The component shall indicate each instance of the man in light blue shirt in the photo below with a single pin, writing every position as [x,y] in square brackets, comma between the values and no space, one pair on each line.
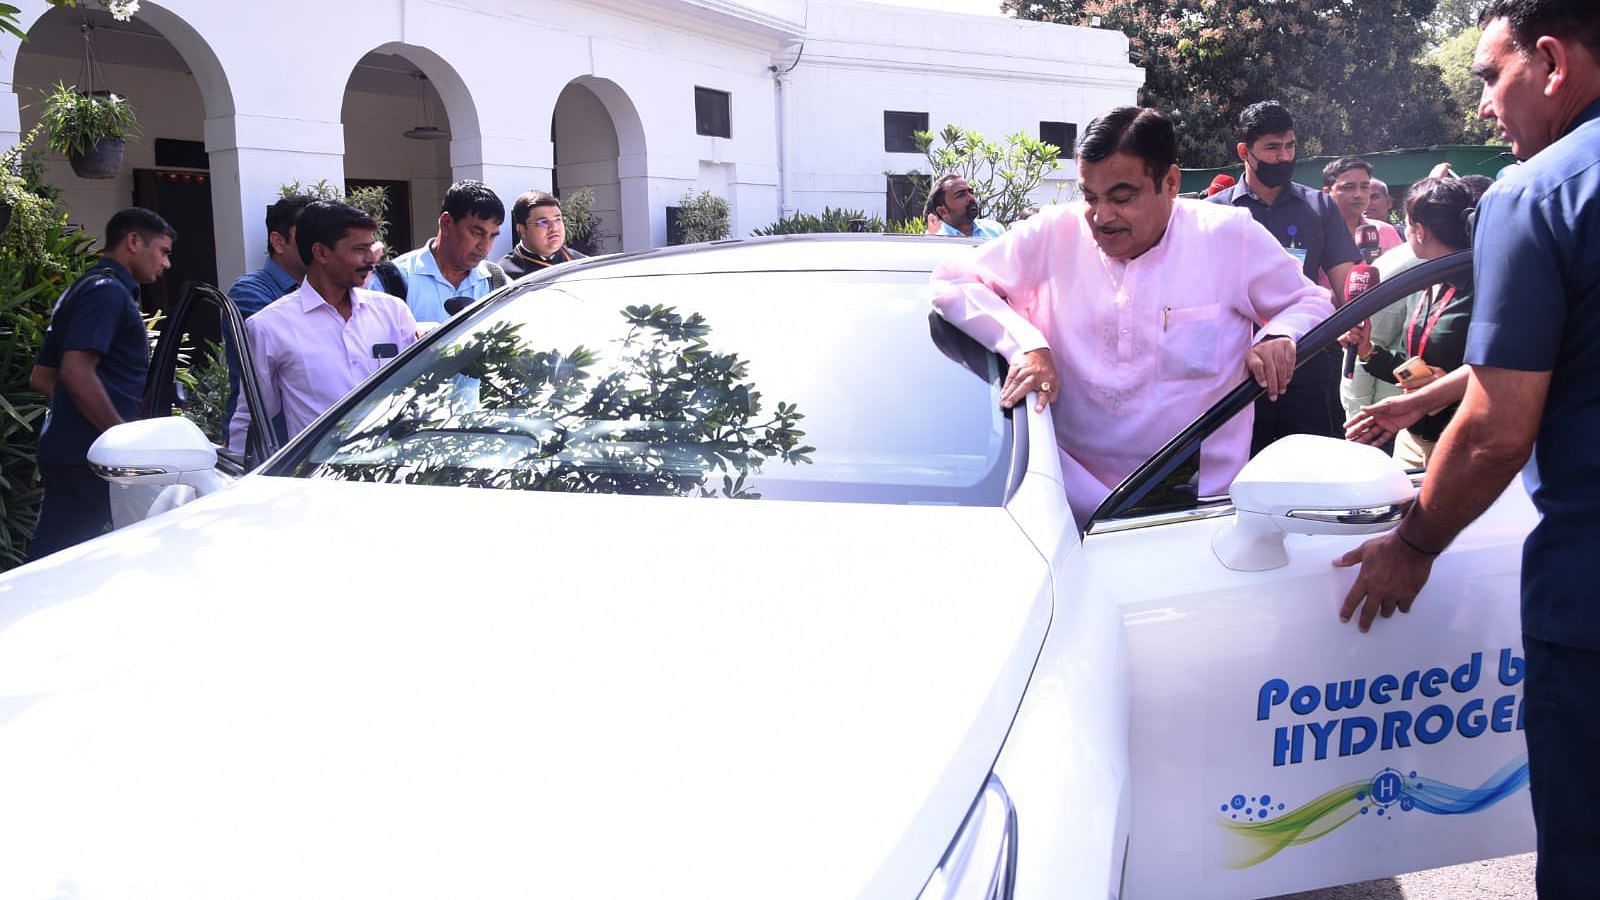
[952,211]
[453,263]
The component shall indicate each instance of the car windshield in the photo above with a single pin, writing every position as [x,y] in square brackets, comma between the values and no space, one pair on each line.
[834,386]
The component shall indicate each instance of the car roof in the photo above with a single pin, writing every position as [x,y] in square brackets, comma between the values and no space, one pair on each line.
[785,253]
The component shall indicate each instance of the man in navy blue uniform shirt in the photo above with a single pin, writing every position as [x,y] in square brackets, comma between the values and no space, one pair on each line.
[1309,227]
[98,345]
[1534,352]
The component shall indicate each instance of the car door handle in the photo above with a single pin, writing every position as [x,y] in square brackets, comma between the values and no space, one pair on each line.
[1370,515]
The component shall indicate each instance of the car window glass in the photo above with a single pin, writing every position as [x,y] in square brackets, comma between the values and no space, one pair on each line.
[1176,489]
[815,386]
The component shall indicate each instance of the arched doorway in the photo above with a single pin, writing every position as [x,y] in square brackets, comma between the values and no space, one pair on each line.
[599,145]
[169,74]
[408,126]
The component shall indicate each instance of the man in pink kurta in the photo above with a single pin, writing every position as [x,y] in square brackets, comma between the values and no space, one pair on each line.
[1133,312]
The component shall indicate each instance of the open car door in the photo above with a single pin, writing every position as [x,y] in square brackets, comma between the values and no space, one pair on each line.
[200,342]
[1274,748]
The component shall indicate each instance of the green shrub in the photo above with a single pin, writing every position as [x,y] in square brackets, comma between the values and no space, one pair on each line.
[831,221]
[583,226]
[703,216]
[37,262]
[373,200]
[908,226]
[203,372]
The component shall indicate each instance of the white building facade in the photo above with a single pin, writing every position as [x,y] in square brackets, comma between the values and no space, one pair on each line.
[777,105]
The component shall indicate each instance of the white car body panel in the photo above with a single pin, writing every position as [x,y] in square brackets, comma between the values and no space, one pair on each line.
[803,724]
[353,690]
[1203,642]
[1066,762]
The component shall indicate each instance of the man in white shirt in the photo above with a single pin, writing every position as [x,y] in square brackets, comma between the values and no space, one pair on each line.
[311,346]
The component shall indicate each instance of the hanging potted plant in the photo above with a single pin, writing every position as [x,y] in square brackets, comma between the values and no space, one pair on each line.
[91,129]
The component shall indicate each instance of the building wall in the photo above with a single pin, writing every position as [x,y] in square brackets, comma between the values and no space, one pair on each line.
[817,141]
[997,76]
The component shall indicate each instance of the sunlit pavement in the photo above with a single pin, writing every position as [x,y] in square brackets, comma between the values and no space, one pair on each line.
[1507,878]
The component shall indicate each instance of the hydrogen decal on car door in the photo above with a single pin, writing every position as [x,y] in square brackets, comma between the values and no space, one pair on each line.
[1387,794]
[1313,722]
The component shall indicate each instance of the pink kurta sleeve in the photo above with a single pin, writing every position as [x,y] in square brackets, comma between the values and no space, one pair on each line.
[1276,294]
[972,288]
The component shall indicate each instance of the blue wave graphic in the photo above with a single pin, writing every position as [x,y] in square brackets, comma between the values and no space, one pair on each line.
[1265,832]
[1440,798]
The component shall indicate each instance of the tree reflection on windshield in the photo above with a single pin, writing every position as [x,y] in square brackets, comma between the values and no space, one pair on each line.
[658,413]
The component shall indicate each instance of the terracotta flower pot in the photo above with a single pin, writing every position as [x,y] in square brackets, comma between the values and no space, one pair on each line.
[104,161]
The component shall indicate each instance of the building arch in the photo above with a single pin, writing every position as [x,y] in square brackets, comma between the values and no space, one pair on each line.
[177,85]
[390,94]
[599,143]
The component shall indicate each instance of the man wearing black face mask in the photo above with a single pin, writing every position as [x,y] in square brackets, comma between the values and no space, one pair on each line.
[1309,226]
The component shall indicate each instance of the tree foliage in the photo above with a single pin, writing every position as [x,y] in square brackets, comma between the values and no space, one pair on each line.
[1001,175]
[1451,17]
[1454,59]
[661,413]
[1353,72]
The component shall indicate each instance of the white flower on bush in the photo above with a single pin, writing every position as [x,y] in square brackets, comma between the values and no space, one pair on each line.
[122,10]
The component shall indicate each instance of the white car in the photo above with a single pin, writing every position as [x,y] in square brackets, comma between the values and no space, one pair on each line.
[756,592]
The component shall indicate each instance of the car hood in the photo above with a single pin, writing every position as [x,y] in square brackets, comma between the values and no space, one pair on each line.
[297,688]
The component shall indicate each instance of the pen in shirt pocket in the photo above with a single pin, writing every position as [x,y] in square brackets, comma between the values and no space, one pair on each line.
[1166,314]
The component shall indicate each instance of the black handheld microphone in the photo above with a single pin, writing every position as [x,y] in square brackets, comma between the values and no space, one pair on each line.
[457,304]
[1367,242]
[1362,277]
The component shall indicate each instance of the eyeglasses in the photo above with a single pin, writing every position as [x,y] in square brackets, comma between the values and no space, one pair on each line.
[546,223]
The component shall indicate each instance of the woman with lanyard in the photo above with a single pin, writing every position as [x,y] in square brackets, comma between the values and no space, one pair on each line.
[1435,334]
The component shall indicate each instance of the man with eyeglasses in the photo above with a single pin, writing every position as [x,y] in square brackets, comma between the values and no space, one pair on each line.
[541,235]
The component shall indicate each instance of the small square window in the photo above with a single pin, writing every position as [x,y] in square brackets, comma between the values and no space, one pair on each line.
[900,128]
[712,114]
[1063,134]
[903,198]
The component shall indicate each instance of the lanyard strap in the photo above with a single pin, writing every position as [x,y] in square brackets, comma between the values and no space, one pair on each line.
[1421,344]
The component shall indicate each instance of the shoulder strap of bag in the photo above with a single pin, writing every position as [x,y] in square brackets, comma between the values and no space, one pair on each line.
[394,284]
[497,276]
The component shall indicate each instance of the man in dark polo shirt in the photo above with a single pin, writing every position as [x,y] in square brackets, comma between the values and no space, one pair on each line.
[99,338]
[1309,226]
[1534,386]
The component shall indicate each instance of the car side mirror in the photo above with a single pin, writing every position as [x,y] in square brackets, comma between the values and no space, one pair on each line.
[1305,484]
[165,450]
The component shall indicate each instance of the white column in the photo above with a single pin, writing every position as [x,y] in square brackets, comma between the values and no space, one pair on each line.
[509,166]
[10,119]
[252,157]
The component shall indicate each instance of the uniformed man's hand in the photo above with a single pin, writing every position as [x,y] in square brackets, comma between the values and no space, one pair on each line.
[1036,371]
[1271,363]
[1391,576]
